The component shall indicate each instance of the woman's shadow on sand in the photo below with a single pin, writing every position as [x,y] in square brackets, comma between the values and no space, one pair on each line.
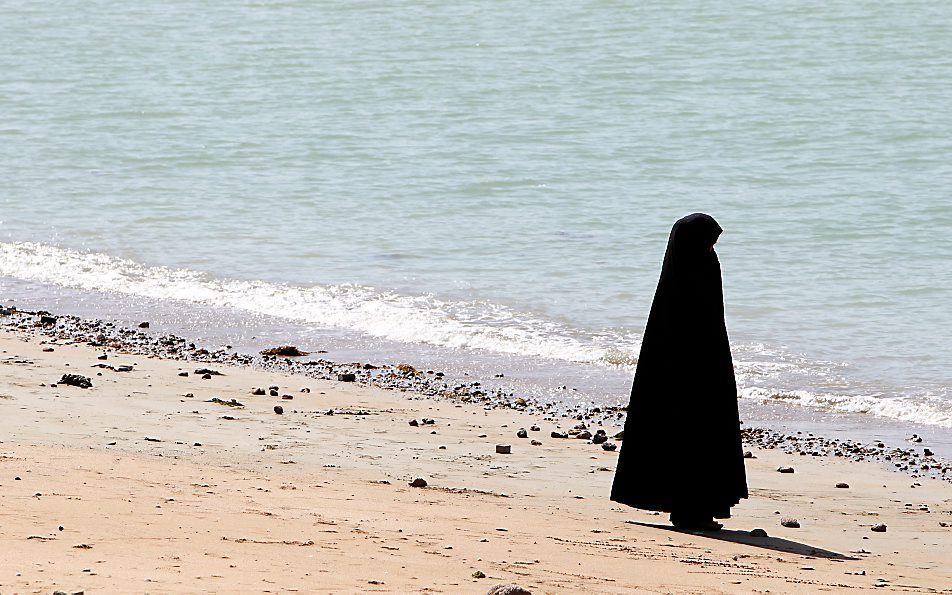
[771,543]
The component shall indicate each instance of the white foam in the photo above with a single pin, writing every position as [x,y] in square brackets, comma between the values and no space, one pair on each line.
[921,409]
[383,314]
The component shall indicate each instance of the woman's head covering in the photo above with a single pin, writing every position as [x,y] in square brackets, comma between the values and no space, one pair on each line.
[691,236]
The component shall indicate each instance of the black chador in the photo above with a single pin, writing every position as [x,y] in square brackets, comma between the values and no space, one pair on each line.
[682,451]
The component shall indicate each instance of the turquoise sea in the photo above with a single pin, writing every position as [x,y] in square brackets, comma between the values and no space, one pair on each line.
[488,186]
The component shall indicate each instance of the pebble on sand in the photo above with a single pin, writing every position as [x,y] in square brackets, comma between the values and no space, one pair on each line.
[843,485]
[278,409]
[503,449]
[419,482]
[880,528]
[785,469]
[479,574]
[347,377]
[790,523]
[522,433]
[758,533]
[76,380]
[609,446]
[508,589]
[285,351]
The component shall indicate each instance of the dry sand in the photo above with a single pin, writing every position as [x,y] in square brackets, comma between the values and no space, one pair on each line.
[306,501]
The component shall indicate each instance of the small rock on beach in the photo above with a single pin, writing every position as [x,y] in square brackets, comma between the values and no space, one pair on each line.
[76,380]
[508,589]
[285,351]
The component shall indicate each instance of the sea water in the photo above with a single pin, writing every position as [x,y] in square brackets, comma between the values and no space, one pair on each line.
[489,186]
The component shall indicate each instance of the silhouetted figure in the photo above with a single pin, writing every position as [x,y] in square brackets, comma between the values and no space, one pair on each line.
[682,450]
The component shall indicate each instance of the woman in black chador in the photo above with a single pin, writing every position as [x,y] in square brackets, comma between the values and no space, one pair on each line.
[682,452]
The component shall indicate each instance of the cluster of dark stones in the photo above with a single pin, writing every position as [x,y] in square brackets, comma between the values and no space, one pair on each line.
[909,460]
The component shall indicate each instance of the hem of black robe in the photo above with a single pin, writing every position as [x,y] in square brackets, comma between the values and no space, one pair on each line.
[717,511]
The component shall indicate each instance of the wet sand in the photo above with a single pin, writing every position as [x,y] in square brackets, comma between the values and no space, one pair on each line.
[159,488]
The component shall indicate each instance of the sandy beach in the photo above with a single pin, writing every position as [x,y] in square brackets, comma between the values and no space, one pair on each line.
[144,482]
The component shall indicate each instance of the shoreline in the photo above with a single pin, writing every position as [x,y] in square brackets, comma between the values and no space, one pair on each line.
[221,495]
[913,458]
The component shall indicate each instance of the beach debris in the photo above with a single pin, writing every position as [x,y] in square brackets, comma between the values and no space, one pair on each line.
[76,380]
[122,368]
[479,574]
[83,546]
[419,482]
[278,409]
[408,369]
[285,351]
[537,443]
[785,469]
[555,434]
[207,372]
[843,485]
[508,589]
[789,523]
[522,433]
[880,528]
[758,533]
[143,325]
[503,449]
[609,446]
[257,391]
[231,403]
[347,377]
